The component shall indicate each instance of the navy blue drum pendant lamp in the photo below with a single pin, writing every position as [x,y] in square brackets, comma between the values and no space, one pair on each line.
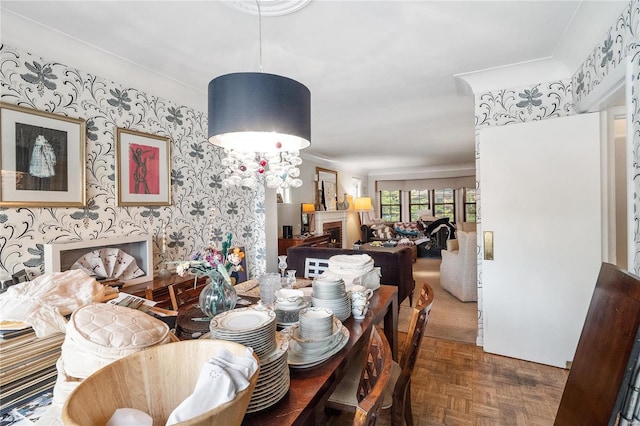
[259,112]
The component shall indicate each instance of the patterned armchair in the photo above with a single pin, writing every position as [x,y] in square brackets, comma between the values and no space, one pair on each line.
[459,267]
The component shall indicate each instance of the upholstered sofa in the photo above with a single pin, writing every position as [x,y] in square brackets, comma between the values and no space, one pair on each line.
[438,230]
[396,267]
[390,231]
[459,267]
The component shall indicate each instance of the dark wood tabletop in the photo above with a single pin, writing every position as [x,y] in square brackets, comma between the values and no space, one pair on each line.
[310,388]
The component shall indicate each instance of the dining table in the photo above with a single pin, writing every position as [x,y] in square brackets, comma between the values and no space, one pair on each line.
[310,388]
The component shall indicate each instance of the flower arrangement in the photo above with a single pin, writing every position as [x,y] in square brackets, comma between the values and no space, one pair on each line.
[210,260]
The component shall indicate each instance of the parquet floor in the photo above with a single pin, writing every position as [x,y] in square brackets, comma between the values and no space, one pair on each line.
[459,384]
[456,383]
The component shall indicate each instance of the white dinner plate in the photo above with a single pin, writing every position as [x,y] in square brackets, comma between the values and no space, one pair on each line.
[297,361]
[243,319]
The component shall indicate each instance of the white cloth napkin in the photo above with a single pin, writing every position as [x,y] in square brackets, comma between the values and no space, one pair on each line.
[220,379]
[129,417]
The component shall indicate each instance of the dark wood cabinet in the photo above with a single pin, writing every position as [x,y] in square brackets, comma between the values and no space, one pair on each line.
[312,241]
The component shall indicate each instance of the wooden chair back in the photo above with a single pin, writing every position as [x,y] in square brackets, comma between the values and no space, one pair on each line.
[401,408]
[375,376]
[159,295]
[600,388]
[314,267]
[186,292]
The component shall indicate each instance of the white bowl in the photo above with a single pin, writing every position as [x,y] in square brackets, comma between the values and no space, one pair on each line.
[308,344]
[288,298]
[316,321]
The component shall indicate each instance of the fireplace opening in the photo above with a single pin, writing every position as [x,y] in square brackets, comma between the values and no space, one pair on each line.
[334,229]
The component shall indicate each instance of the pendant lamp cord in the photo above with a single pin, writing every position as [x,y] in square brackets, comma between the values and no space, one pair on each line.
[260,31]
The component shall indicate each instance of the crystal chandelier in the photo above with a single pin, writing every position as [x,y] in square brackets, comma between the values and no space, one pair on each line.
[244,168]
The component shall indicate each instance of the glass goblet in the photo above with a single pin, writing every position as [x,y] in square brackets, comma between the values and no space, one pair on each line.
[291,278]
[282,264]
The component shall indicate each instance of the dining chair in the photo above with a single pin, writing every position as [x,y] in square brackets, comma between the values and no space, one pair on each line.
[398,392]
[374,367]
[314,267]
[186,292]
[159,295]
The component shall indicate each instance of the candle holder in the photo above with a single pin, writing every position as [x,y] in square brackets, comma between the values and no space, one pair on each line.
[164,271]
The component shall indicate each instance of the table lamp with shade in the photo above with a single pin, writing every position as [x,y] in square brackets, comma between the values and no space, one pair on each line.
[363,204]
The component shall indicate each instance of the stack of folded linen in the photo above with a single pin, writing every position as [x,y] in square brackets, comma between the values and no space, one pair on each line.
[354,269]
[98,334]
[43,302]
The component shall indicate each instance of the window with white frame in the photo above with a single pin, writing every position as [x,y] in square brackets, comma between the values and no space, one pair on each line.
[469,205]
[444,203]
[390,206]
[419,202]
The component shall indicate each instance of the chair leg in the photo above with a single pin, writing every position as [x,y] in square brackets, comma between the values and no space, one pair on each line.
[408,415]
[398,407]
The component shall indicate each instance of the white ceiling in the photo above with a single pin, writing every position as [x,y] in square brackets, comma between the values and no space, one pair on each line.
[381,73]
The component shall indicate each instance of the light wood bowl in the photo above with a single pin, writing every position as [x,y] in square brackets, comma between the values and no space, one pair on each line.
[155,380]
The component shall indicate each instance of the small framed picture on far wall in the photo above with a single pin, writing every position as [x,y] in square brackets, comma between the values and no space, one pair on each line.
[143,170]
[42,158]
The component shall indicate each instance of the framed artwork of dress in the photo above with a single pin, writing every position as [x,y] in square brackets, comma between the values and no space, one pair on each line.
[42,157]
[143,170]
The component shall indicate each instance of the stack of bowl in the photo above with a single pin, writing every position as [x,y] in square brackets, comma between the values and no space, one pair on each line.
[330,292]
[315,338]
[289,303]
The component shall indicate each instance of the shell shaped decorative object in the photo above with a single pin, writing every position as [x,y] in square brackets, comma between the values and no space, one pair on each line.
[109,262]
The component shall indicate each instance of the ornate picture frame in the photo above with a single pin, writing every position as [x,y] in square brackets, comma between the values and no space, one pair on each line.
[143,169]
[42,158]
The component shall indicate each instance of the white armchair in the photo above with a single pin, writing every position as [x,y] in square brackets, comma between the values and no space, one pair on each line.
[459,267]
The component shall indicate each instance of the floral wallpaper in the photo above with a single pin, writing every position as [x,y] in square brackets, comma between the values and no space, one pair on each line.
[607,55]
[633,112]
[523,104]
[196,173]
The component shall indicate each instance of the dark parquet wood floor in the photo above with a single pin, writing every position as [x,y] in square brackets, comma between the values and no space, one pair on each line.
[459,384]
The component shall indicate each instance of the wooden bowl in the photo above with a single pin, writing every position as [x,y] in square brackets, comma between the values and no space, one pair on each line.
[155,380]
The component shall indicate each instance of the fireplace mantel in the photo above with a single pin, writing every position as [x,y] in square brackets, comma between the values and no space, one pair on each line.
[322,217]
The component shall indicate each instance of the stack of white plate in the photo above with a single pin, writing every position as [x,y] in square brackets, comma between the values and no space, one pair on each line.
[309,352]
[273,380]
[255,326]
[330,292]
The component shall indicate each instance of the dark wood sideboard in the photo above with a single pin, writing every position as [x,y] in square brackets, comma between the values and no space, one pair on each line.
[311,241]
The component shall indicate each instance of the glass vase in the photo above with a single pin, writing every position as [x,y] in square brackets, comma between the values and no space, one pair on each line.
[217,296]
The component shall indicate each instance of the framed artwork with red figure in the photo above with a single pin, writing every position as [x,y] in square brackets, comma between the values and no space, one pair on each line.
[143,169]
